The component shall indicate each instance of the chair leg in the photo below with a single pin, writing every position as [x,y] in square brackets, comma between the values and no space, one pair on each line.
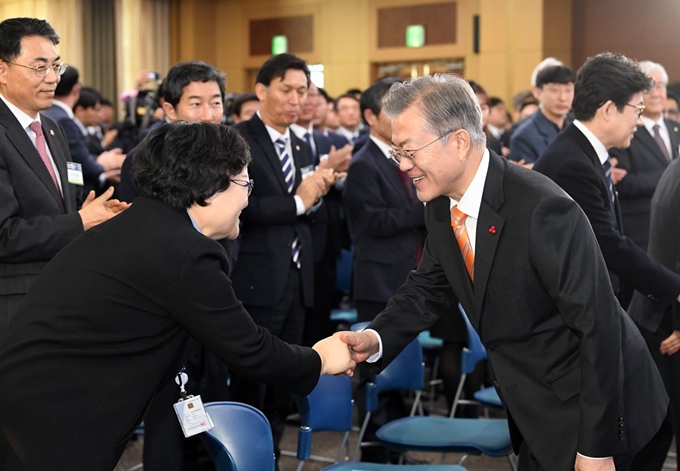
[459,391]
[343,445]
[300,465]
[361,436]
[513,465]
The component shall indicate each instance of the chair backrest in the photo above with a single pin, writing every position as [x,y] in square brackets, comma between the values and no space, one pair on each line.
[329,407]
[241,439]
[475,351]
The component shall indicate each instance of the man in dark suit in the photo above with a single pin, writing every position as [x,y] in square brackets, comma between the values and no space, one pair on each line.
[655,144]
[520,256]
[88,365]
[38,210]
[660,325]
[97,169]
[327,224]
[555,91]
[323,108]
[274,272]
[607,108]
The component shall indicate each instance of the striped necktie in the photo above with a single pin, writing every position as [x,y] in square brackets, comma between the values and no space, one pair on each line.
[607,166]
[286,164]
[287,169]
[458,224]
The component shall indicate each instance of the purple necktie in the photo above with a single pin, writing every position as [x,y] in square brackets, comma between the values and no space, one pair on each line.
[41,145]
[659,141]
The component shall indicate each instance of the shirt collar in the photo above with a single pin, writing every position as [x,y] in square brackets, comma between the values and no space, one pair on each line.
[81,126]
[193,223]
[471,200]
[650,123]
[274,135]
[382,146]
[64,107]
[24,119]
[300,131]
[600,149]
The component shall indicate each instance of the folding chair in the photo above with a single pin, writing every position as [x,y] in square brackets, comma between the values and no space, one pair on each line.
[241,439]
[490,437]
[329,408]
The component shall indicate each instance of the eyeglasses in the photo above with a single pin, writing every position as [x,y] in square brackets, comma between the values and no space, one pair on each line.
[640,108]
[43,70]
[398,154]
[250,184]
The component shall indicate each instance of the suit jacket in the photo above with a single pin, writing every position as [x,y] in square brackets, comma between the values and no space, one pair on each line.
[338,140]
[570,365]
[383,223]
[645,164]
[35,222]
[664,247]
[270,223]
[77,144]
[572,163]
[532,138]
[106,326]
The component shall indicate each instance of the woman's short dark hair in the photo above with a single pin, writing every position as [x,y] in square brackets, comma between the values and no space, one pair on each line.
[183,163]
[607,77]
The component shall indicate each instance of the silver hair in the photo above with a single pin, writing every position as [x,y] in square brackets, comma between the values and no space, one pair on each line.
[446,101]
[648,67]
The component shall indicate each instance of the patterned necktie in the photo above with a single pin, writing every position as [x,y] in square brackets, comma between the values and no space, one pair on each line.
[607,166]
[308,138]
[660,142]
[41,146]
[458,224]
[286,165]
[287,169]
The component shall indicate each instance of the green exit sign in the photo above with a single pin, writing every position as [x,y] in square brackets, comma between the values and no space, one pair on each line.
[279,45]
[415,36]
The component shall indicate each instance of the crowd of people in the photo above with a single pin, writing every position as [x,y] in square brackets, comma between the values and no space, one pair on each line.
[203,233]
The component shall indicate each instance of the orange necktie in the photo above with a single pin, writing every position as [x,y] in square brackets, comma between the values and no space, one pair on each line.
[458,224]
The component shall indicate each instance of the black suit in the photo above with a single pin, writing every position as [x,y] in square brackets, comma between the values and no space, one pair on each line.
[35,221]
[570,365]
[657,322]
[645,164]
[105,327]
[572,163]
[77,144]
[274,291]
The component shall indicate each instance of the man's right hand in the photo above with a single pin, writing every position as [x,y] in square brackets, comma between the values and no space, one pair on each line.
[111,159]
[316,185]
[361,344]
[97,210]
[339,159]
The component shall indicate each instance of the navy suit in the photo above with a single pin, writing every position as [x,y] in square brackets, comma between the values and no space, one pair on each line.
[77,144]
[645,164]
[533,137]
[338,140]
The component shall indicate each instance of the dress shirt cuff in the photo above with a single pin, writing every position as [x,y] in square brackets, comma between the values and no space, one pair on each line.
[376,356]
[340,184]
[102,179]
[299,205]
[591,458]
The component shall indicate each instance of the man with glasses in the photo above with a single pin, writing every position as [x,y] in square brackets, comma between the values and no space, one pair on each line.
[655,144]
[521,258]
[608,108]
[38,209]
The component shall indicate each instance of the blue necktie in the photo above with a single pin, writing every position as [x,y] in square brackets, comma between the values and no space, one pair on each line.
[286,166]
[607,166]
[308,138]
[287,169]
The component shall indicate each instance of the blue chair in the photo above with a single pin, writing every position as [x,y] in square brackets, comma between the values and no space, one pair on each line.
[440,434]
[329,408]
[343,284]
[241,439]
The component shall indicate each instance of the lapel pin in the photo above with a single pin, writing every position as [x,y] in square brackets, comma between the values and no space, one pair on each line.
[675,129]
[297,148]
[51,133]
[492,230]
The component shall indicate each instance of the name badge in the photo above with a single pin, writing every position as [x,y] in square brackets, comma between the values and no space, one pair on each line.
[75,173]
[306,171]
[189,409]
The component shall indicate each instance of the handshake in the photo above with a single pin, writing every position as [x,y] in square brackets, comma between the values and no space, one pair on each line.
[341,352]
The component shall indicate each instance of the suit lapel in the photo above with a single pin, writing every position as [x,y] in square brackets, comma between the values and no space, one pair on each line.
[264,141]
[25,148]
[648,141]
[60,161]
[489,231]
[301,158]
[674,133]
